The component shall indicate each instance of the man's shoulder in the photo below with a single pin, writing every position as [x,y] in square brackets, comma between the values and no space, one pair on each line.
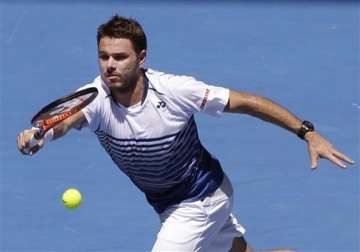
[97,83]
[168,80]
[169,76]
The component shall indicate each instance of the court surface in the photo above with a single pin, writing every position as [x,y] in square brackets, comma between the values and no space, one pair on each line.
[304,56]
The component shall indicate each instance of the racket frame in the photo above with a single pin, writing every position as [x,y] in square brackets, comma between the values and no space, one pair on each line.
[43,125]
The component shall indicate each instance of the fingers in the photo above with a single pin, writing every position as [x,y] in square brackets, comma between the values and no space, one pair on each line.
[343,157]
[336,161]
[21,144]
[319,147]
[337,158]
[314,159]
[23,141]
[34,149]
[37,147]
[332,155]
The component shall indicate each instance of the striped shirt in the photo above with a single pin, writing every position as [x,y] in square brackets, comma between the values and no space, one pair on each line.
[155,142]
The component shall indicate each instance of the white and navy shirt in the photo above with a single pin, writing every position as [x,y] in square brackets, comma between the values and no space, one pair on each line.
[155,142]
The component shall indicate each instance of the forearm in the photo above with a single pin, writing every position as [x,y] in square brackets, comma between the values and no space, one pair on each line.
[264,109]
[62,128]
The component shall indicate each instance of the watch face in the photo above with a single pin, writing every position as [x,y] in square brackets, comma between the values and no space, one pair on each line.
[308,125]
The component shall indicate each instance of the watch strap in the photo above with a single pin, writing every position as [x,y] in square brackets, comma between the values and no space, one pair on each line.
[305,128]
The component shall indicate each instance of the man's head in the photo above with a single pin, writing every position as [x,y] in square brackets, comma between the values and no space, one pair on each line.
[122,52]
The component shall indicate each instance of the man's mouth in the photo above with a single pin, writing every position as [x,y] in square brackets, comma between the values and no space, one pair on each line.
[113,77]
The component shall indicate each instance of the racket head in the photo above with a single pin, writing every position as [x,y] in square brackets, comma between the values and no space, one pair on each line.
[62,108]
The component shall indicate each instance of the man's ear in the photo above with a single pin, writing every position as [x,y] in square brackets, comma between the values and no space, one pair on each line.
[142,58]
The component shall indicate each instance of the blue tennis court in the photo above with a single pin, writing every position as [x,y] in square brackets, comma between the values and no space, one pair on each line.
[302,54]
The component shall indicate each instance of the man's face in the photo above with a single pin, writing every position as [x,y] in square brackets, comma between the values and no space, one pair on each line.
[119,64]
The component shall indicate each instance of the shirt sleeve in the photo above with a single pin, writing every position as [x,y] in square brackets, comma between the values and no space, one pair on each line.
[91,112]
[197,96]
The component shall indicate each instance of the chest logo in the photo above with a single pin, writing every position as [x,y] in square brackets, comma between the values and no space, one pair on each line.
[161,104]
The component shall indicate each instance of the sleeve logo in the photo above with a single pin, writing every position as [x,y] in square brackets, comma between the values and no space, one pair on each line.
[205,99]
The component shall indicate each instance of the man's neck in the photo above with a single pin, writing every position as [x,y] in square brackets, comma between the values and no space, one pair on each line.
[133,96]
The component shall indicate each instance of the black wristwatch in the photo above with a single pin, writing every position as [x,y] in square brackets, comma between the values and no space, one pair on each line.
[305,128]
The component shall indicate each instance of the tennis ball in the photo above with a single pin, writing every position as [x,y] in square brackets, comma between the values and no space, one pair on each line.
[71,198]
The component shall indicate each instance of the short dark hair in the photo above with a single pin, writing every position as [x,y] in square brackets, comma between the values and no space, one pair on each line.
[121,27]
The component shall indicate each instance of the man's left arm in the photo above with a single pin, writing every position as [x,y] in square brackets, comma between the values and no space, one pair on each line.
[269,111]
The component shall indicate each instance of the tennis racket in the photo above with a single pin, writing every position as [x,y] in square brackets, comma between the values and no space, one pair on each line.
[59,110]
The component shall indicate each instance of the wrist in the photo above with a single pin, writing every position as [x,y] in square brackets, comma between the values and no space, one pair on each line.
[306,128]
[310,135]
[48,136]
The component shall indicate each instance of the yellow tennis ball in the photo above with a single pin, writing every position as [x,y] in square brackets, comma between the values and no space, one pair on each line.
[71,198]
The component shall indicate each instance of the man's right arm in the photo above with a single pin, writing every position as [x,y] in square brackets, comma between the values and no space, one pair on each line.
[23,139]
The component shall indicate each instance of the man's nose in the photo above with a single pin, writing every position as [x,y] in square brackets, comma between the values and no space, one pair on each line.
[111,65]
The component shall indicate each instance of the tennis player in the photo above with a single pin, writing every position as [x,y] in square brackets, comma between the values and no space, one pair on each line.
[144,119]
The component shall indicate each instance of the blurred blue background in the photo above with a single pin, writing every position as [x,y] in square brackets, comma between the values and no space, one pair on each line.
[301,54]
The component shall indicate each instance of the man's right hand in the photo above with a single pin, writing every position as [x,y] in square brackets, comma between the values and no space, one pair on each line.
[23,139]
[23,142]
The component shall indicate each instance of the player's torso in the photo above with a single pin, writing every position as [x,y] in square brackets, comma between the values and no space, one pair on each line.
[153,142]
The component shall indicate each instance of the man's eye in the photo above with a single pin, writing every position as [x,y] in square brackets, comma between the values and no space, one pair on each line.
[119,57]
[103,57]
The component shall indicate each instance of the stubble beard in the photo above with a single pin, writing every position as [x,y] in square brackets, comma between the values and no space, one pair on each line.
[126,86]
